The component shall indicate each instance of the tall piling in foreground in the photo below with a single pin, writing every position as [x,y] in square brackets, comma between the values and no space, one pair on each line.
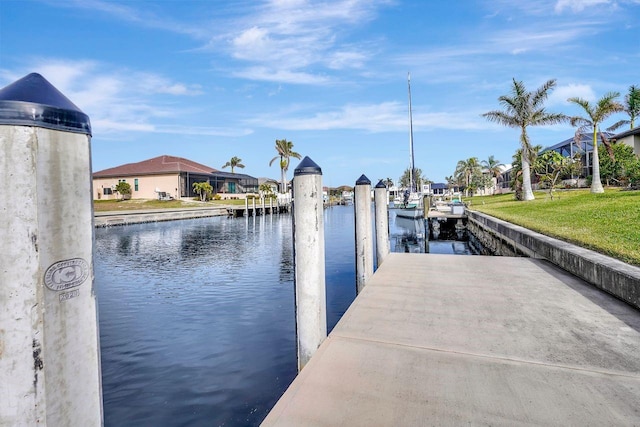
[246,206]
[308,259]
[382,221]
[49,341]
[364,232]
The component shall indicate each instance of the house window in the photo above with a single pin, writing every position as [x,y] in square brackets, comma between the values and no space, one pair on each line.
[107,191]
[135,184]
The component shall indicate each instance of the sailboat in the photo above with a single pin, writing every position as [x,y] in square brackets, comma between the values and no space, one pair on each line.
[410,205]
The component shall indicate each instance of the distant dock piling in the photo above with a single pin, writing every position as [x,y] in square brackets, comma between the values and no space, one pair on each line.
[309,260]
[381,198]
[364,232]
[49,342]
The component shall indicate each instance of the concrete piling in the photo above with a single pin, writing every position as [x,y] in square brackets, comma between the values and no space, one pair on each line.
[364,232]
[49,341]
[246,206]
[308,259]
[382,221]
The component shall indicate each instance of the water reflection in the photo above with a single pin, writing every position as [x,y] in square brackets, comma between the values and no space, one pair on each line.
[197,321]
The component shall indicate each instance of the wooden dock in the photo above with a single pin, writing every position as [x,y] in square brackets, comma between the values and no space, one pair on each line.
[458,340]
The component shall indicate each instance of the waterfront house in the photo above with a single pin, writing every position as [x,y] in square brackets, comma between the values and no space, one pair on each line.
[274,184]
[631,138]
[166,177]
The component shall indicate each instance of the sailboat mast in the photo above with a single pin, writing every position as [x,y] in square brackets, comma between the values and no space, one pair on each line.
[411,158]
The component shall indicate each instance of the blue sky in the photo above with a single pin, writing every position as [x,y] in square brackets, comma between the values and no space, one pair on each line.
[209,80]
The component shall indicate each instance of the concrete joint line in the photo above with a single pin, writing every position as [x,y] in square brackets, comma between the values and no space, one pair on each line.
[491,357]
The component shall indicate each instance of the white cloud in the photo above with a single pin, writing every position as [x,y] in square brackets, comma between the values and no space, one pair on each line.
[139,16]
[288,37]
[560,94]
[118,100]
[382,117]
[578,5]
[280,76]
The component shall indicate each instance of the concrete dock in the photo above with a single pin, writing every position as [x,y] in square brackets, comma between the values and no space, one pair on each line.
[453,340]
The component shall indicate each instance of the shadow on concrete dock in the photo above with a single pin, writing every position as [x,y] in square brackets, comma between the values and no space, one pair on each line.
[451,340]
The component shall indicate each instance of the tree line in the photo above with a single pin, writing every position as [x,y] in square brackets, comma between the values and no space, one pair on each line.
[522,109]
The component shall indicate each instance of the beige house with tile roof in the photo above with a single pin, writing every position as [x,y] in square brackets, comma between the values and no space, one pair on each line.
[170,177]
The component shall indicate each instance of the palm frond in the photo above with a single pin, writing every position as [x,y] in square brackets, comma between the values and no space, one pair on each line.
[618,125]
[542,93]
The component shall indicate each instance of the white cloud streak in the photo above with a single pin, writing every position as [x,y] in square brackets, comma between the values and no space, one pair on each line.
[374,118]
[286,39]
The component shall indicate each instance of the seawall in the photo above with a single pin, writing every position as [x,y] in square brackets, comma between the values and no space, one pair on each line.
[606,273]
[106,219]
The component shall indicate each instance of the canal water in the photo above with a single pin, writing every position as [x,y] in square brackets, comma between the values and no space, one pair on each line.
[197,323]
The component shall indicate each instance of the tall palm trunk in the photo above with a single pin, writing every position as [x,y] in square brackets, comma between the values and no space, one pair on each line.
[596,184]
[283,176]
[527,191]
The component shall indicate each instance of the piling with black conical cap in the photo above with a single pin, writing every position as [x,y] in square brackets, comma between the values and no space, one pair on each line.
[33,101]
[308,259]
[381,200]
[364,234]
[307,167]
[47,277]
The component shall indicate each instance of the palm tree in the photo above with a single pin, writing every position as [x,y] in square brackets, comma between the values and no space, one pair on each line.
[521,110]
[285,152]
[596,114]
[465,169]
[235,162]
[493,167]
[388,182]
[631,107]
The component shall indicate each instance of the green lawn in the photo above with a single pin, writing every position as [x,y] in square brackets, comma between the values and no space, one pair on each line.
[608,223]
[122,205]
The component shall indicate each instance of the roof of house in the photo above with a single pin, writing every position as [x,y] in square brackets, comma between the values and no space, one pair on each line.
[634,131]
[157,165]
[585,142]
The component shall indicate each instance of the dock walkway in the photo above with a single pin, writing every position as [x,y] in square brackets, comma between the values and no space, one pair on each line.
[453,340]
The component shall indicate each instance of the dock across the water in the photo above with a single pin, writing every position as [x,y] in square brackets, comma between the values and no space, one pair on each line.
[458,340]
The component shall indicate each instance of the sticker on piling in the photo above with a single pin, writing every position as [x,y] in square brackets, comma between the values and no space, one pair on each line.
[66,274]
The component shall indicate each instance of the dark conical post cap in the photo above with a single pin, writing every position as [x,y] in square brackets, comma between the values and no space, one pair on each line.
[307,167]
[363,180]
[381,184]
[33,101]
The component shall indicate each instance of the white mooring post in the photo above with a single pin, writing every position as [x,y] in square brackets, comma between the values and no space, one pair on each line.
[246,206]
[49,341]
[270,205]
[381,198]
[308,259]
[254,206]
[364,232]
